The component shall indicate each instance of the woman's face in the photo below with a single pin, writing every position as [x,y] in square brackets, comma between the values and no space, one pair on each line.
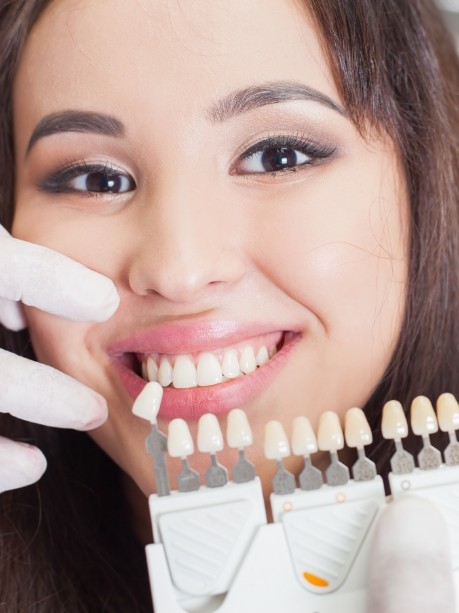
[198,154]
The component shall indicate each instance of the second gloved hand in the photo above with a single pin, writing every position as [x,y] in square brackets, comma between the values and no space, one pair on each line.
[42,278]
[410,565]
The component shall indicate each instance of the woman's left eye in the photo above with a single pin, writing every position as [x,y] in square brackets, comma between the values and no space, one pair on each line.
[277,155]
[273,159]
[89,179]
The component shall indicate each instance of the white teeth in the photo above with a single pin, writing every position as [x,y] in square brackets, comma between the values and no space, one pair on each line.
[184,373]
[247,360]
[165,372]
[262,356]
[230,364]
[152,369]
[209,371]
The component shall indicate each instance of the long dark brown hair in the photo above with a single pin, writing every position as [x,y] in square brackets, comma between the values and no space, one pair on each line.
[66,544]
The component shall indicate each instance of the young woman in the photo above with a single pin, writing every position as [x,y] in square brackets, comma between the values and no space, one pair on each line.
[269,178]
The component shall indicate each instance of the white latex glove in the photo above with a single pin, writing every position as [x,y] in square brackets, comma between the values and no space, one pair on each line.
[410,567]
[40,277]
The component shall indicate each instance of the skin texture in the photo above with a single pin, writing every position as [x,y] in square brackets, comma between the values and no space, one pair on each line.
[321,251]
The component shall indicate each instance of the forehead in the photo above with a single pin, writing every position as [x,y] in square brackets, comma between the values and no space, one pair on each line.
[124,54]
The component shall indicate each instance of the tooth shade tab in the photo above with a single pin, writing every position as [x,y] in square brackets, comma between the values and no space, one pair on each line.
[448,413]
[304,440]
[330,434]
[357,429]
[147,403]
[394,425]
[208,370]
[276,445]
[238,431]
[179,441]
[210,437]
[423,418]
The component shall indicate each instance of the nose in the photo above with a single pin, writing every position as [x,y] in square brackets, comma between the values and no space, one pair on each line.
[188,246]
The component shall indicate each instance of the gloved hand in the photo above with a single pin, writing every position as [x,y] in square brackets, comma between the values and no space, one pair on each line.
[410,566]
[51,282]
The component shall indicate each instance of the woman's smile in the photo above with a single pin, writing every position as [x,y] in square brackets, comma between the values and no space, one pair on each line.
[221,365]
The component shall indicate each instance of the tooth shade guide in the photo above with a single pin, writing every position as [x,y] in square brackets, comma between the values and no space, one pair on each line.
[423,418]
[448,413]
[423,423]
[330,434]
[148,402]
[179,441]
[238,431]
[210,437]
[238,436]
[394,425]
[358,435]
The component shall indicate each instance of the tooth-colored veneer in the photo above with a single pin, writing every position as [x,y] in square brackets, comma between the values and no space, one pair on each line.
[357,430]
[276,445]
[179,441]
[329,433]
[448,412]
[147,403]
[238,431]
[210,437]
[423,418]
[304,440]
[394,425]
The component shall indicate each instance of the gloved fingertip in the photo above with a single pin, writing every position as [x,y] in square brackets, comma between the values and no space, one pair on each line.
[410,563]
[12,315]
[96,413]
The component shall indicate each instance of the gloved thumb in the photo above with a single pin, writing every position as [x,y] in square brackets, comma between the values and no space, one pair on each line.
[410,564]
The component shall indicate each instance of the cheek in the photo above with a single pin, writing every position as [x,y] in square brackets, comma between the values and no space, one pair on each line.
[339,246]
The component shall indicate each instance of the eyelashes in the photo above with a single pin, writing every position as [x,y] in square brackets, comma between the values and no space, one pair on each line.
[272,157]
[88,179]
[276,155]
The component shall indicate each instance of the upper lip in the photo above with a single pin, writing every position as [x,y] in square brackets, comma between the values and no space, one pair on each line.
[189,337]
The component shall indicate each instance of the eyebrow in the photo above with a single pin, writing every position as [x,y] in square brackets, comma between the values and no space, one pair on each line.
[250,98]
[76,121]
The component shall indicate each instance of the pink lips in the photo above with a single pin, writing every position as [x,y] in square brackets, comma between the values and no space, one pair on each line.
[178,338]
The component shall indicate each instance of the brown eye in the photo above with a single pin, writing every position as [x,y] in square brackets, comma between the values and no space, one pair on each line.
[102,182]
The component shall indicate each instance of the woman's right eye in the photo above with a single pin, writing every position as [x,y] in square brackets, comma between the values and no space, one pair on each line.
[89,179]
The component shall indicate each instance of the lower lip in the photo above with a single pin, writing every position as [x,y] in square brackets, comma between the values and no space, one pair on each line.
[193,402]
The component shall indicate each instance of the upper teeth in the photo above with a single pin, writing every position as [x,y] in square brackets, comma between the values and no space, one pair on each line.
[207,369]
